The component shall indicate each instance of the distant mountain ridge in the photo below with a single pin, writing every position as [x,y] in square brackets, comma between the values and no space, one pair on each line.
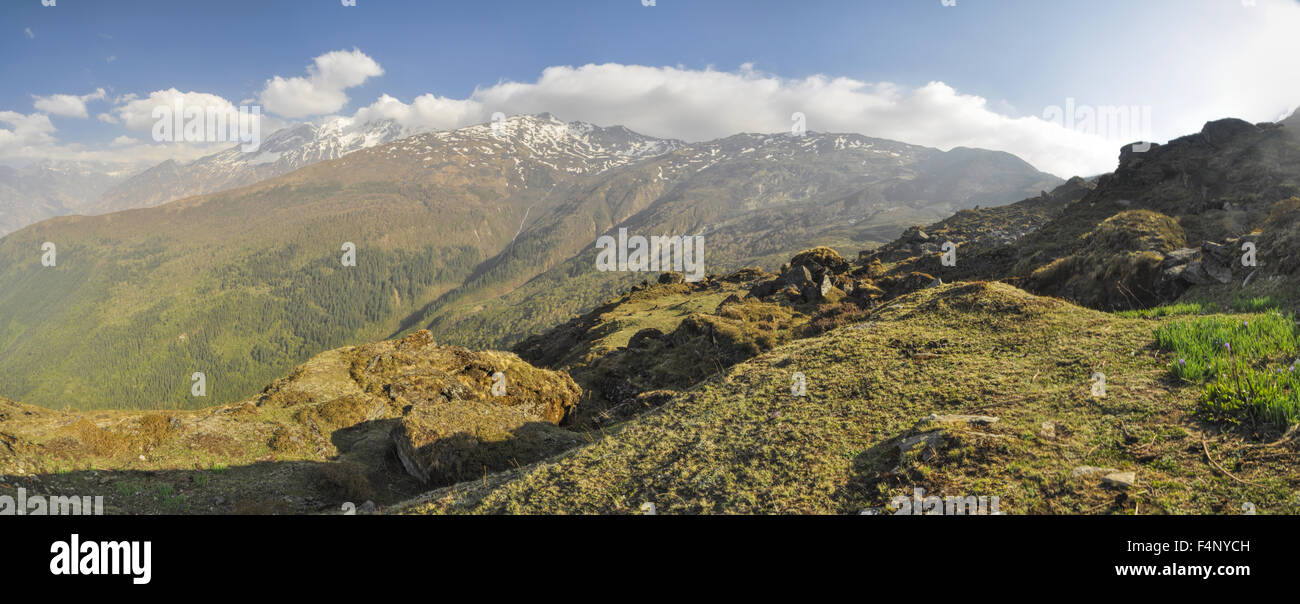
[47,188]
[283,151]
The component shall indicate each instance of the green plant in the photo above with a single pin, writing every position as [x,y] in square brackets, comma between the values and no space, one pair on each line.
[1189,308]
[168,497]
[1254,304]
[1248,365]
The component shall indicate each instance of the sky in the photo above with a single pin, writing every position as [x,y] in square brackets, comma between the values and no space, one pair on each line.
[1062,84]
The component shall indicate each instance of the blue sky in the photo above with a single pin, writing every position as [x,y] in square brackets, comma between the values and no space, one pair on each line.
[1188,60]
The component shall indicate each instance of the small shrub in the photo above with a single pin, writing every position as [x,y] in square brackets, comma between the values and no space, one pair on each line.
[154,430]
[347,481]
[345,411]
[284,440]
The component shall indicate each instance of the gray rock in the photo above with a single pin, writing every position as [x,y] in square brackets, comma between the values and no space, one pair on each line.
[1195,274]
[1217,251]
[1219,272]
[1048,430]
[798,276]
[915,235]
[927,439]
[971,420]
[1179,256]
[1123,480]
[1085,471]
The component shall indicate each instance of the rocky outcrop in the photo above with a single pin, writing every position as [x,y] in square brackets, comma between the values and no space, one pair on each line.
[465,411]
[1119,265]
[811,276]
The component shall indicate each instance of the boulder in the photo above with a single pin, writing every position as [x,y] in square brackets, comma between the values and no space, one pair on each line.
[1122,480]
[798,278]
[464,411]
[449,443]
[1219,252]
[1086,471]
[1220,132]
[821,259]
[817,292]
[914,235]
[671,278]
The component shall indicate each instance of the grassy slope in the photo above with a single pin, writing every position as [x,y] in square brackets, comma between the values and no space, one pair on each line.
[270,454]
[741,443]
[240,285]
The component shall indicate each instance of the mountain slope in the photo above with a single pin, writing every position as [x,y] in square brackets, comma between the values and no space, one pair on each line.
[242,284]
[964,390]
[756,199]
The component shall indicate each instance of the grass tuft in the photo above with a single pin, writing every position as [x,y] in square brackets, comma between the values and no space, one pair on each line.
[1247,364]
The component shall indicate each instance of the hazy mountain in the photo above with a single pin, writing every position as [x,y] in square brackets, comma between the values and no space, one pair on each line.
[39,190]
[281,152]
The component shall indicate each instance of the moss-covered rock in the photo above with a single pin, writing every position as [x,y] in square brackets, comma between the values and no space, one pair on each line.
[1118,265]
[466,412]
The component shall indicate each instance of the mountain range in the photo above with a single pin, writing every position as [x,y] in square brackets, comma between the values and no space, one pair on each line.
[49,188]
[1110,345]
[42,189]
[451,231]
[282,151]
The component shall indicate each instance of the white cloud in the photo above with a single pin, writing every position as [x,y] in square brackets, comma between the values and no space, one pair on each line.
[1237,62]
[30,35]
[32,135]
[68,105]
[137,113]
[696,105]
[24,132]
[322,91]
[426,111]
